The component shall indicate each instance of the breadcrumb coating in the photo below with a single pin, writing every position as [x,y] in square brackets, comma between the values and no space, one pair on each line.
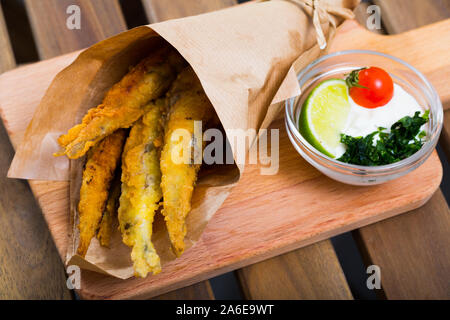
[124,103]
[187,103]
[98,174]
[110,213]
[141,191]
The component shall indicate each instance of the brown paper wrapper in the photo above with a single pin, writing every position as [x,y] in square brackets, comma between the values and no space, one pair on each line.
[246,58]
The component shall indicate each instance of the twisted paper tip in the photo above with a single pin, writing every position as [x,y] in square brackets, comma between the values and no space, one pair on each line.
[320,12]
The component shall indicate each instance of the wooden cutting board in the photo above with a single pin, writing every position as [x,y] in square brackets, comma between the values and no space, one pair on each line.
[265,215]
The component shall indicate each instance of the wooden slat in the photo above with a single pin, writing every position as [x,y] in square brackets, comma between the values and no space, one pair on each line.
[160,10]
[403,15]
[445,137]
[100,19]
[412,250]
[362,16]
[312,272]
[30,266]
[6,57]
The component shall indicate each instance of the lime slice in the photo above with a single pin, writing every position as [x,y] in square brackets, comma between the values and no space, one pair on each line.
[324,115]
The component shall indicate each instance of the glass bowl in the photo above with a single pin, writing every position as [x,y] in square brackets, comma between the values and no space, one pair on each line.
[335,66]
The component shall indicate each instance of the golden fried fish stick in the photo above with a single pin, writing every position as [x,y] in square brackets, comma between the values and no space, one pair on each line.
[125,103]
[141,190]
[99,171]
[187,103]
[110,212]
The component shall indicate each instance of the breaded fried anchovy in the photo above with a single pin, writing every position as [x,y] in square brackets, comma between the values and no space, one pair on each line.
[187,102]
[124,103]
[110,212]
[98,173]
[141,191]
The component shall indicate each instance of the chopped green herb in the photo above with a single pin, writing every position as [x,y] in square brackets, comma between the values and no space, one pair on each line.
[404,139]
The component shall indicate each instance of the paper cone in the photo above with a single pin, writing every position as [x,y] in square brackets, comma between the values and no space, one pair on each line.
[246,58]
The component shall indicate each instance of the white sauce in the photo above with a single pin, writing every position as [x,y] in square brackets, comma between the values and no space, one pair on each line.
[363,121]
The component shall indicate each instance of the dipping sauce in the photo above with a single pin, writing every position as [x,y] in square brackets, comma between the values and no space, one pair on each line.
[362,121]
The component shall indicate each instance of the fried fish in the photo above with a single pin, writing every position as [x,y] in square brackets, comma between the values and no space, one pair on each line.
[187,103]
[98,173]
[110,213]
[124,103]
[141,190]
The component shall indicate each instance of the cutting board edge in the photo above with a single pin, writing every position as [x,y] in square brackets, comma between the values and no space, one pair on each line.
[258,257]
[85,294]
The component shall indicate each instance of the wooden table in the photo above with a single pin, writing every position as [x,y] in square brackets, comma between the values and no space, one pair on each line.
[412,250]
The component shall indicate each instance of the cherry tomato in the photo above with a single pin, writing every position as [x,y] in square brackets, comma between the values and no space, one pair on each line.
[371,87]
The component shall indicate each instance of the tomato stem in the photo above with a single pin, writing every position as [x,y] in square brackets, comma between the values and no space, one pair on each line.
[352,79]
